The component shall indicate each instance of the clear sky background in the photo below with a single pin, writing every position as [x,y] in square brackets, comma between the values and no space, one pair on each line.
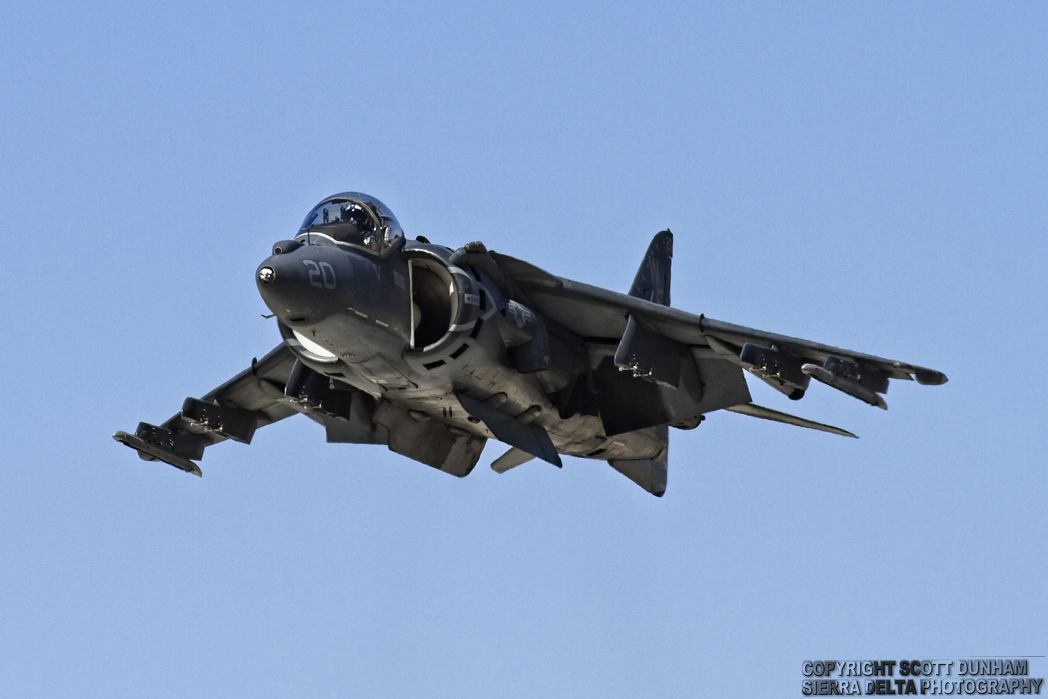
[867,175]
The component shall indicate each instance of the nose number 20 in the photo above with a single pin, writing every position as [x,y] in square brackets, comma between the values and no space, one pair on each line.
[321,275]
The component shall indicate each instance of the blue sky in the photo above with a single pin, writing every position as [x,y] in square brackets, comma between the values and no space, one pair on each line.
[867,175]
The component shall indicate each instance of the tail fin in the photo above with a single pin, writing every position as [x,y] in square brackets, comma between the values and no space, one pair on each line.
[652,282]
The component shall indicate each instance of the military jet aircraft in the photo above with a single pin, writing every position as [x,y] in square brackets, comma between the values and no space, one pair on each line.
[432,351]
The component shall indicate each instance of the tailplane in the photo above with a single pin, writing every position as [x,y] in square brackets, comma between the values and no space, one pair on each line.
[768,414]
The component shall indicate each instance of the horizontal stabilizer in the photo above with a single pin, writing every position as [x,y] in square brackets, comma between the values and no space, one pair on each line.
[774,415]
[511,459]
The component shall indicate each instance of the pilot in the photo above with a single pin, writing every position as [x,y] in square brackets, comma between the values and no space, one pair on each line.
[357,216]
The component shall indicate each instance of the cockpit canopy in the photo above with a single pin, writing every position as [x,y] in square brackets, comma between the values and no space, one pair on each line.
[352,218]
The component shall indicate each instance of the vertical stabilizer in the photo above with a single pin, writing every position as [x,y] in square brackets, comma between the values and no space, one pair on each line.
[652,282]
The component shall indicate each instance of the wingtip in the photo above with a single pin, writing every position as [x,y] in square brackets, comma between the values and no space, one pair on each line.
[930,377]
[151,452]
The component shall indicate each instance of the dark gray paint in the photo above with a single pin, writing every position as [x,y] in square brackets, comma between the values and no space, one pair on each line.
[431,352]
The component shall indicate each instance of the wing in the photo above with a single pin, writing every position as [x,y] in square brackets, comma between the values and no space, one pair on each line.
[253,398]
[786,363]
[277,386]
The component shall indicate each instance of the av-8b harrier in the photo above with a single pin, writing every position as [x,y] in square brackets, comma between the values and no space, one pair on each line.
[432,351]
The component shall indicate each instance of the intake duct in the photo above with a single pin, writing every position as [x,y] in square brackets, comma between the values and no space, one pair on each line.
[445,302]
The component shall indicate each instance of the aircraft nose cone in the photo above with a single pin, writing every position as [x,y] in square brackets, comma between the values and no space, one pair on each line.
[299,284]
[276,275]
[283,283]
